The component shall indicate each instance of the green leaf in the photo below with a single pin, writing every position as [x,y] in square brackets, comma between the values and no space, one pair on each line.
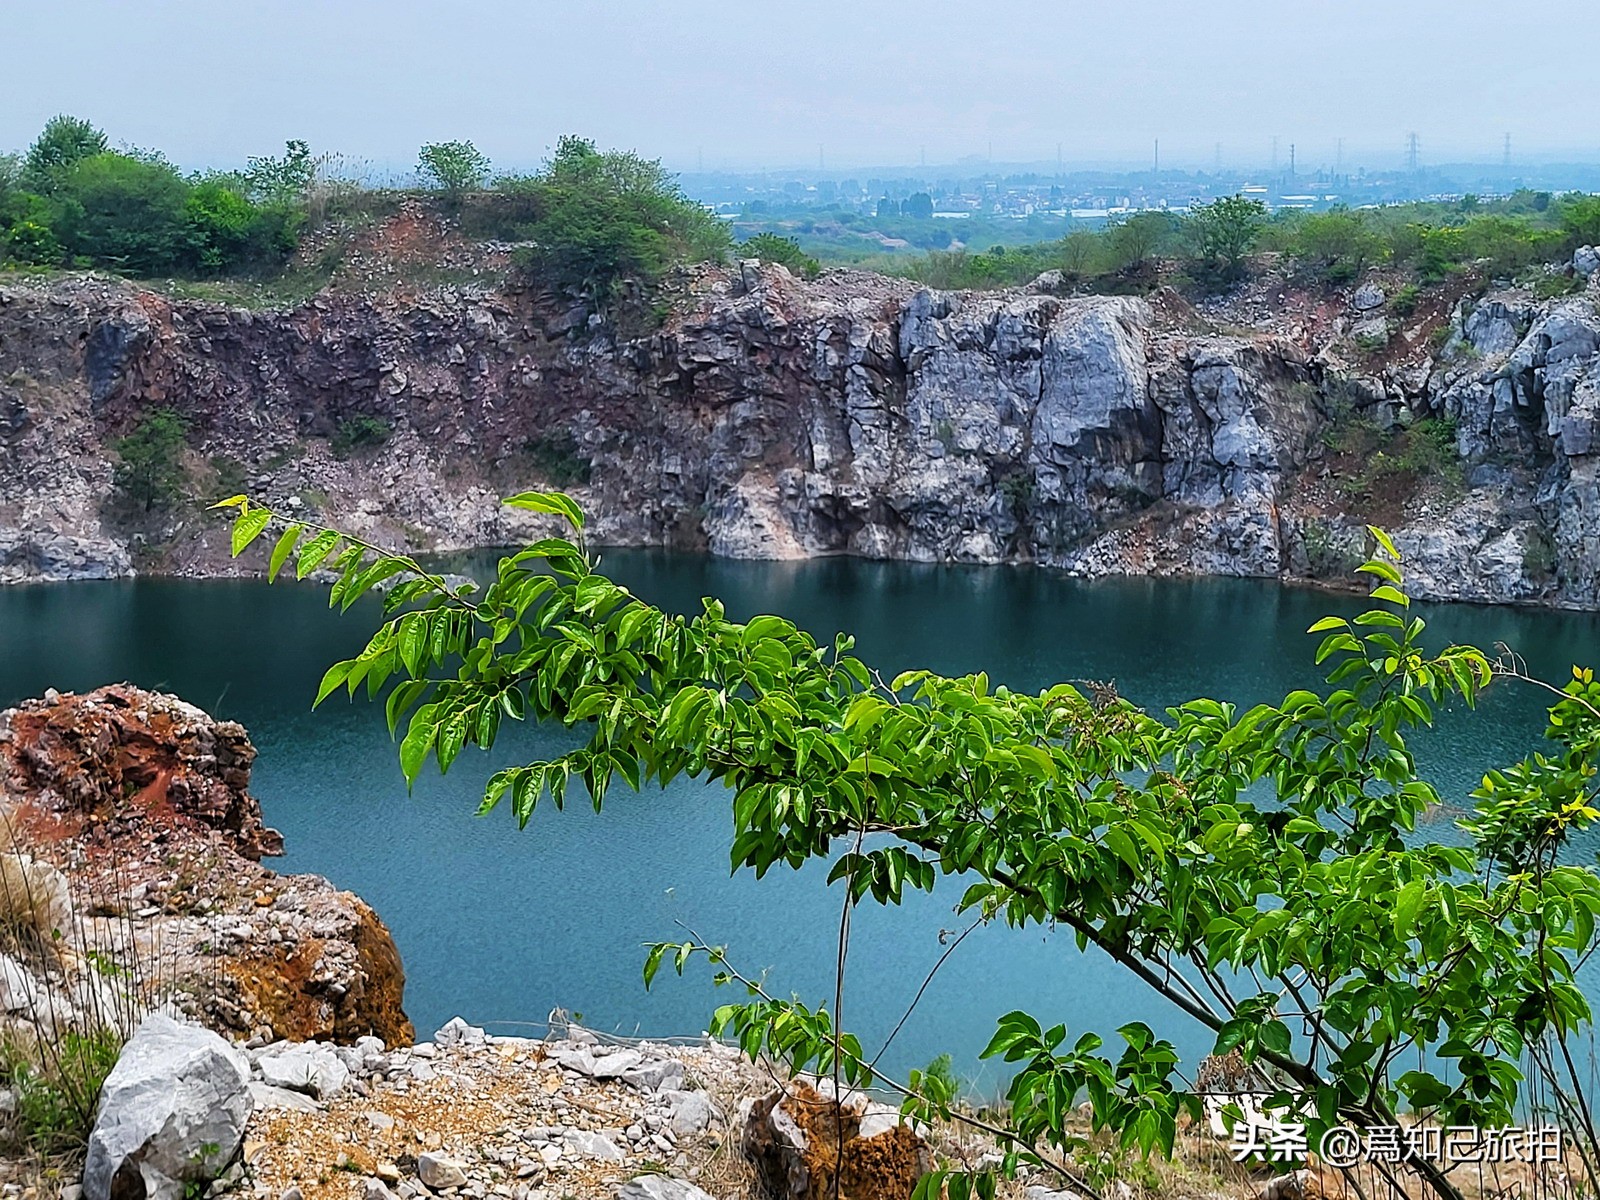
[402,698]
[332,679]
[1381,569]
[1122,846]
[556,503]
[413,641]
[418,741]
[248,528]
[1231,1034]
[1275,1037]
[1383,540]
[314,551]
[652,962]
[1407,903]
[383,569]
[287,541]
[348,565]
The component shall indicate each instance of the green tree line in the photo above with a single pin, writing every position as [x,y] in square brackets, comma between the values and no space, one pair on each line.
[71,200]
[1212,243]
[590,220]
[604,223]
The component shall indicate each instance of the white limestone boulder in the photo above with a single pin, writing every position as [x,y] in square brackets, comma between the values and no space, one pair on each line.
[172,1113]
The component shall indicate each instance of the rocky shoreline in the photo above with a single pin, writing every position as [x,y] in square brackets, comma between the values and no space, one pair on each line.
[775,418]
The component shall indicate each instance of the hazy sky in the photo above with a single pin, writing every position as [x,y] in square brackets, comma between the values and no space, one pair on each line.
[871,82]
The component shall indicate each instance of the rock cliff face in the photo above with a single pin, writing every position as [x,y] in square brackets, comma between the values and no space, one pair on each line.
[775,418]
[141,802]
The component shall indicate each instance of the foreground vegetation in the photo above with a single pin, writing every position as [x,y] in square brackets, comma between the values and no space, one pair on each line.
[1258,869]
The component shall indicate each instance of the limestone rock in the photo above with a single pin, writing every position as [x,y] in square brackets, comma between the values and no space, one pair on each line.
[1586,260]
[772,418]
[456,1032]
[265,1095]
[311,1068]
[438,1171]
[92,756]
[41,556]
[587,1144]
[653,1073]
[134,785]
[660,1187]
[21,994]
[778,418]
[692,1112]
[172,1114]
[1372,330]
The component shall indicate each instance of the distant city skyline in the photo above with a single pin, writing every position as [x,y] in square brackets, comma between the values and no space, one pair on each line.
[1351,161]
[851,85]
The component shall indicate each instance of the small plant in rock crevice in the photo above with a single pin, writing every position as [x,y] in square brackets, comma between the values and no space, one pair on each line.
[358,434]
[557,457]
[149,473]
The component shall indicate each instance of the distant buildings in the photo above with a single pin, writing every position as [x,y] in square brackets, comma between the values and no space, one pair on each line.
[919,209]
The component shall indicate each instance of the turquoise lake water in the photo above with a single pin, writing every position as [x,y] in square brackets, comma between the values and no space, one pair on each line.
[502,926]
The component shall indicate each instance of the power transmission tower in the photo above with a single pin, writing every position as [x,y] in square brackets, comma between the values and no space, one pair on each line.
[1291,160]
[1413,153]
[1505,156]
[1338,158]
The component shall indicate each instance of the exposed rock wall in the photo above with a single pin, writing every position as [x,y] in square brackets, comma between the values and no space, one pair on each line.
[1521,379]
[775,418]
[142,802]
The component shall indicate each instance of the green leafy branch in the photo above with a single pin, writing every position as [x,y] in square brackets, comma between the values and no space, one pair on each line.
[1258,868]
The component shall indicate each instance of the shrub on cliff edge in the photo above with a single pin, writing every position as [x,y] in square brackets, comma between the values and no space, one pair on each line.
[456,167]
[770,247]
[1222,234]
[606,217]
[62,144]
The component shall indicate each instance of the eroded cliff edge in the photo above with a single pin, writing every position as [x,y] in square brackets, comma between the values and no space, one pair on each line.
[127,823]
[771,417]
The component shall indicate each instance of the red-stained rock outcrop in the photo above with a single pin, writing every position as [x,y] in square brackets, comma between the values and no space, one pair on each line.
[142,802]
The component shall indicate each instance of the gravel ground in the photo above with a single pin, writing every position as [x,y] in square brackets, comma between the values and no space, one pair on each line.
[474,1116]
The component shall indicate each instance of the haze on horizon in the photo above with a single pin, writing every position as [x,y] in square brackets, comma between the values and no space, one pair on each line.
[844,82]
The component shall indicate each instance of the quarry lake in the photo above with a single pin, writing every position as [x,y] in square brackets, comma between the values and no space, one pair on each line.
[502,926]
